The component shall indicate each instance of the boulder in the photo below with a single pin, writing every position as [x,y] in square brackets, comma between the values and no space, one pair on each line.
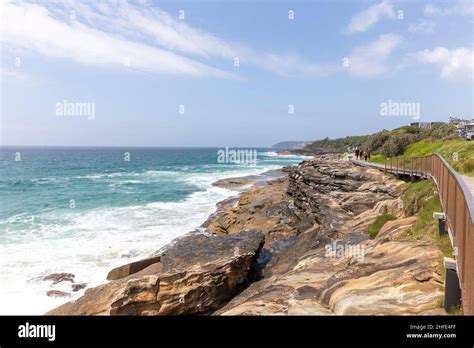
[196,275]
[57,293]
[60,277]
[77,287]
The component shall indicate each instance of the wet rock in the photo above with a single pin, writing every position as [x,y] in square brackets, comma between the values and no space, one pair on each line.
[232,183]
[57,293]
[79,286]
[266,208]
[60,277]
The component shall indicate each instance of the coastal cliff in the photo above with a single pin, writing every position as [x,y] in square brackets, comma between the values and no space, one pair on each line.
[295,245]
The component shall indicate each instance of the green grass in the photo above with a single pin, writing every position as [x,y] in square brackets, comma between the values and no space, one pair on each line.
[456,311]
[415,193]
[374,228]
[377,159]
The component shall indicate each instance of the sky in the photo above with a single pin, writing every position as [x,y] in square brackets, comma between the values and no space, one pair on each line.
[228,73]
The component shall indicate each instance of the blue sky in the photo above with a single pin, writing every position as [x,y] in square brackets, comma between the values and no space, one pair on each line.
[138,61]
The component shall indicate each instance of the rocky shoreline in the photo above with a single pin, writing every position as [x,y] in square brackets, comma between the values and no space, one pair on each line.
[294,242]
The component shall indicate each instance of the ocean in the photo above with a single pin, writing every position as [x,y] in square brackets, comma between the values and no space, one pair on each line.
[86,210]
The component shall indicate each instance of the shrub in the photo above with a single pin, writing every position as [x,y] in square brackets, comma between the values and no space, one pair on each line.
[395,145]
[468,165]
[412,130]
[440,131]
[374,228]
[415,194]
[376,141]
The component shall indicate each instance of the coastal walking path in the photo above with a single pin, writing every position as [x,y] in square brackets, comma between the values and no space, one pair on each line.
[368,164]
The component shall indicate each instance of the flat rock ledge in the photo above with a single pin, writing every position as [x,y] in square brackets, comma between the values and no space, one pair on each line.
[195,275]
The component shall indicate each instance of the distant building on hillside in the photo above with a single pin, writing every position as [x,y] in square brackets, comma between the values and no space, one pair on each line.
[425,125]
[464,128]
[422,125]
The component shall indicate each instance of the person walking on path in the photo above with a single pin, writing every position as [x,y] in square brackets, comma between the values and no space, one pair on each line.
[365,155]
[357,152]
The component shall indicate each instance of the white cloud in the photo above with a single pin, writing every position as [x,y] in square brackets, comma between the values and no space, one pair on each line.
[150,23]
[371,60]
[364,20]
[460,7]
[33,27]
[172,34]
[118,33]
[454,64]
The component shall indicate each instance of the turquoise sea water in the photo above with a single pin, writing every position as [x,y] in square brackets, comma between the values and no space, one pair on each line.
[86,210]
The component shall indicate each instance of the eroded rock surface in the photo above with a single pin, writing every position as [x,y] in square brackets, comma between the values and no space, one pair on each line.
[267,208]
[332,267]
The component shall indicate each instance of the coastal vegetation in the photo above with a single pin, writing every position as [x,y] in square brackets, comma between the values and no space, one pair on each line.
[386,142]
[339,145]
[374,228]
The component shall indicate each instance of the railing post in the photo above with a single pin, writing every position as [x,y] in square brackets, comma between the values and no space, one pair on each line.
[441,217]
[452,290]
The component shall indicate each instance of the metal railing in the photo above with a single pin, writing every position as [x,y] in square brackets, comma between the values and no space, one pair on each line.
[458,207]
